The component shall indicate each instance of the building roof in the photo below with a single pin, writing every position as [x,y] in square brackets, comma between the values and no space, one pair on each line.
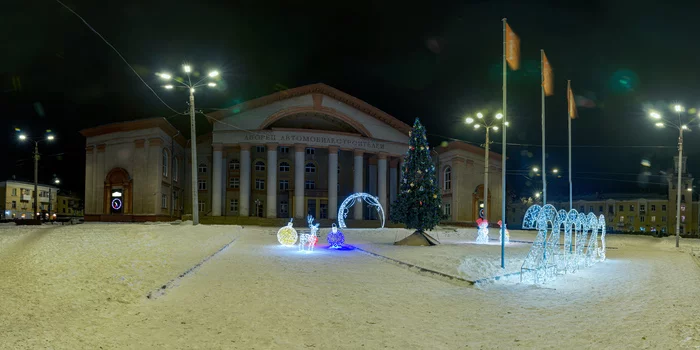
[31,184]
[459,145]
[139,124]
[318,88]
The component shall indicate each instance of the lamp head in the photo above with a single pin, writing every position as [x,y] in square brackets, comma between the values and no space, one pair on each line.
[655,115]
[479,115]
[469,120]
[678,108]
[187,68]
[164,76]
[22,137]
[213,74]
[499,116]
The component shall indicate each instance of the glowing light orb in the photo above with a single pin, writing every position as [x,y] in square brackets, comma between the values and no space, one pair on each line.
[287,236]
[335,238]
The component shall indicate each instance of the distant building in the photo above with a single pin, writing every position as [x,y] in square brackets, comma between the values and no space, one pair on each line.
[68,204]
[17,199]
[632,212]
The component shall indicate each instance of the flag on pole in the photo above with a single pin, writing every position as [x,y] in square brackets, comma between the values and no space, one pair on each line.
[547,76]
[572,101]
[512,49]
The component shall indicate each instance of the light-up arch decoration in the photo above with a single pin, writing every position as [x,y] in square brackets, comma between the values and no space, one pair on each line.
[529,221]
[350,201]
[548,257]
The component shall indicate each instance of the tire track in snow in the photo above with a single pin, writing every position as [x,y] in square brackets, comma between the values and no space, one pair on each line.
[170,284]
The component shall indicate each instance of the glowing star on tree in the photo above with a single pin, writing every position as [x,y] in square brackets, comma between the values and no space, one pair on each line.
[482,236]
[287,235]
[335,238]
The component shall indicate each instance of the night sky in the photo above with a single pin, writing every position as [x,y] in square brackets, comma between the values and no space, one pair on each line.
[439,62]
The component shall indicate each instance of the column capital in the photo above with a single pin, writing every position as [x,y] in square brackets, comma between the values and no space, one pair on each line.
[140,143]
[299,147]
[217,147]
[101,147]
[359,153]
[155,141]
[372,161]
[244,146]
[272,146]
[332,149]
[382,155]
[89,148]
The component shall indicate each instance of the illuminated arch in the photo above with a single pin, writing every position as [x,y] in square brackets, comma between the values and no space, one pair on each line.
[350,201]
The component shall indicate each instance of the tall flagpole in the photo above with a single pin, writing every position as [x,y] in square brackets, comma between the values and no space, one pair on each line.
[568,107]
[503,154]
[544,169]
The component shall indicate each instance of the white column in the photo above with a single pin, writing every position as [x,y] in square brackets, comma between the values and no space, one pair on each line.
[272,180]
[381,185]
[89,185]
[332,182]
[357,184]
[244,200]
[299,151]
[216,180]
[393,181]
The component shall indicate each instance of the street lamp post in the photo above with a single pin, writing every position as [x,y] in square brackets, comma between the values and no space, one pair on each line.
[681,126]
[492,125]
[47,137]
[193,133]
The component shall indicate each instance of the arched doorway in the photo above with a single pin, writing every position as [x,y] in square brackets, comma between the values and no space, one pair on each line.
[478,203]
[117,192]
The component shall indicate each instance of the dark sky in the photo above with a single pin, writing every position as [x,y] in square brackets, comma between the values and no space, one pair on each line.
[438,61]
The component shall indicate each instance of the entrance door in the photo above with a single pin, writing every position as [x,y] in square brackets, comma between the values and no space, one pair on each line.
[311,207]
[117,201]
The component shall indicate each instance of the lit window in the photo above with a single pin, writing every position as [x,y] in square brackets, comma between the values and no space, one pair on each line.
[202,168]
[683,218]
[234,182]
[259,184]
[284,167]
[622,218]
[259,166]
[284,185]
[447,179]
[310,168]
[309,185]
[165,162]
[653,218]
[14,191]
[234,165]
[202,185]
[682,207]
[310,151]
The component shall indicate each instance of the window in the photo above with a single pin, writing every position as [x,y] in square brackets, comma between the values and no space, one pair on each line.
[309,185]
[682,198]
[14,205]
[176,168]
[233,205]
[447,179]
[448,209]
[653,218]
[641,218]
[284,207]
[201,206]
[165,162]
[653,207]
[324,211]
[202,185]
[260,149]
[284,149]
[590,208]
[64,202]
[622,218]
[284,185]
[338,169]
[234,182]
[259,184]
[310,168]
[64,210]
[14,191]
[260,166]
[600,208]
[663,207]
[642,207]
[234,165]
[311,151]
[284,167]
[621,208]
[663,219]
[202,168]
[683,218]
[631,207]
[610,209]
[682,207]
[582,209]
[164,201]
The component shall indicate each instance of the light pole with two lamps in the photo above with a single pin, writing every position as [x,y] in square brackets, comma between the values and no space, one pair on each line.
[47,137]
[681,126]
[187,83]
[478,123]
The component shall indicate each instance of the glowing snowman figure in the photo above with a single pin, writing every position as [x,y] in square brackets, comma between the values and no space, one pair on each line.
[287,235]
[483,232]
[500,224]
[335,238]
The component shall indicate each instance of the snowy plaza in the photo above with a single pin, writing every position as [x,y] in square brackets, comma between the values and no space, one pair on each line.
[100,286]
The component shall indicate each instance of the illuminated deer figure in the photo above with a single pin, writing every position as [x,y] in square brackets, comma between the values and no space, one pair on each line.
[309,239]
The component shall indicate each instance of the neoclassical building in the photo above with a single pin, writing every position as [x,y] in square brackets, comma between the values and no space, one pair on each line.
[296,152]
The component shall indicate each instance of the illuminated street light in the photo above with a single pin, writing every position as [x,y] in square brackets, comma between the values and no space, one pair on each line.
[22,137]
[495,128]
[165,76]
[684,127]
[535,169]
[47,137]
[479,115]
[213,74]
[211,84]
[499,116]
[678,108]
[659,125]
[187,68]
[476,126]
[655,115]
[537,195]
[556,171]
[168,87]
[469,120]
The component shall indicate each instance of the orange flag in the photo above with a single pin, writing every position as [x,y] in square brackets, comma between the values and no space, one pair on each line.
[547,76]
[572,102]
[512,48]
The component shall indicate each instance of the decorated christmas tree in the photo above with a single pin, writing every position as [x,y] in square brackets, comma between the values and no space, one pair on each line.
[419,203]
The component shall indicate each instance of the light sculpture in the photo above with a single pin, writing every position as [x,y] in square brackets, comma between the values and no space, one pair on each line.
[530,219]
[482,235]
[307,241]
[350,201]
[500,224]
[116,203]
[335,238]
[548,258]
[287,235]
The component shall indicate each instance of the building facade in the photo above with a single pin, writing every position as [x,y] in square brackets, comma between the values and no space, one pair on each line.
[297,152]
[68,205]
[17,199]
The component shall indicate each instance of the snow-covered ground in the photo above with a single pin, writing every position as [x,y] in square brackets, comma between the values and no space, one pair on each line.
[85,286]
